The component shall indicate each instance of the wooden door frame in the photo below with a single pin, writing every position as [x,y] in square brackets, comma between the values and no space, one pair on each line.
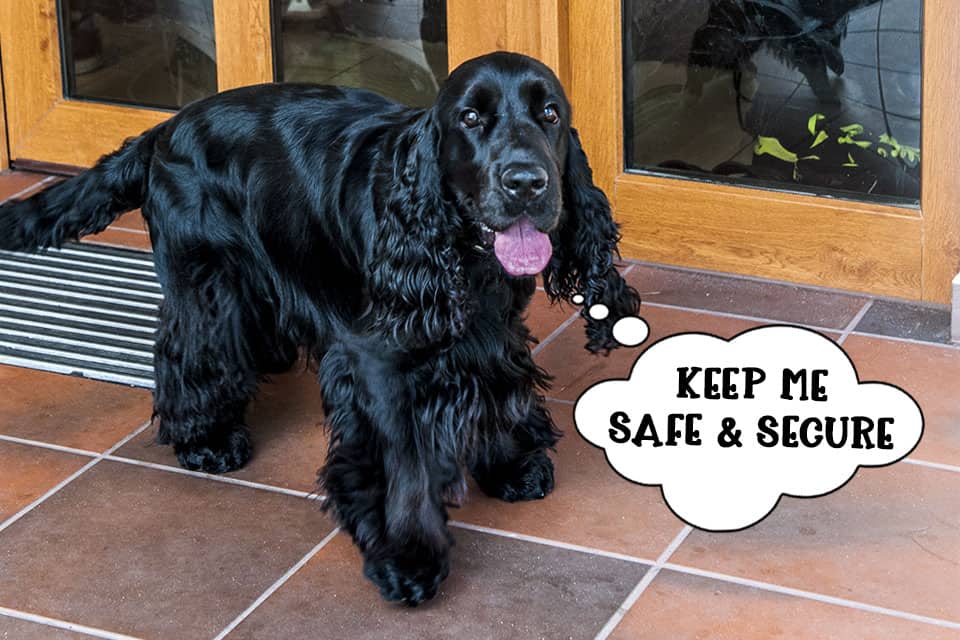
[878,249]
[537,28]
[43,124]
[4,143]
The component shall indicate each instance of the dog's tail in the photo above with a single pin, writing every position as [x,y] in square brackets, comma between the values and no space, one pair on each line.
[84,204]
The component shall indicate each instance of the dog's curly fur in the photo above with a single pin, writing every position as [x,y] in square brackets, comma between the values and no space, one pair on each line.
[292,216]
[805,35]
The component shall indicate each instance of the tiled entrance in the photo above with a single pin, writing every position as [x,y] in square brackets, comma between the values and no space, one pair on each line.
[103,535]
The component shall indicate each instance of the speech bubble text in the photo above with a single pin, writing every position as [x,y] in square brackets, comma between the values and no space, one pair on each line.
[726,427]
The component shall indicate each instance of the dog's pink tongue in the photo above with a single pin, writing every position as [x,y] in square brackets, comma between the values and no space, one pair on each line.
[522,249]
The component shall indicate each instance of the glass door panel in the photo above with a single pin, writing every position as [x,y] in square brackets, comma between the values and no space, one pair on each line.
[778,138]
[397,48]
[812,96]
[80,76]
[153,53]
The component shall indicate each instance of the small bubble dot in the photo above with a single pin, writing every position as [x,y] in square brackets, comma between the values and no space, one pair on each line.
[630,331]
[599,312]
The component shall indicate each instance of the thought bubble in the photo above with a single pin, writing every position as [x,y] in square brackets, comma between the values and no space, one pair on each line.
[726,427]
[629,331]
[599,312]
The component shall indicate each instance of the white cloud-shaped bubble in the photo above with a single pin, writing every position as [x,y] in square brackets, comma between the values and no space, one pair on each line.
[832,426]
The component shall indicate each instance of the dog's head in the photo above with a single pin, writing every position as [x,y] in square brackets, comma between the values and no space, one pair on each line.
[496,146]
[504,125]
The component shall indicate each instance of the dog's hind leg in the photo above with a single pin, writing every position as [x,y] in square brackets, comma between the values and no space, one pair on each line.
[205,375]
[383,481]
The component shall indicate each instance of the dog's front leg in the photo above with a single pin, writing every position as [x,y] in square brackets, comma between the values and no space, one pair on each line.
[510,462]
[386,472]
[513,465]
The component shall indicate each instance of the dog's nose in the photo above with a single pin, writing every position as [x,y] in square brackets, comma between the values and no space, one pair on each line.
[524,181]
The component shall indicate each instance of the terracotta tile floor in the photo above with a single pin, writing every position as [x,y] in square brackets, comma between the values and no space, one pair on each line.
[103,536]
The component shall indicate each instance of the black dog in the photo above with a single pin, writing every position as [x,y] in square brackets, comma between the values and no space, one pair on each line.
[398,246]
[806,35]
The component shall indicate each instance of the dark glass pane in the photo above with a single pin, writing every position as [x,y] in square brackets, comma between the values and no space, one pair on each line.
[818,96]
[157,53]
[397,48]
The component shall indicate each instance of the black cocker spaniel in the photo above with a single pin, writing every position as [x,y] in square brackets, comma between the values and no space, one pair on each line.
[399,247]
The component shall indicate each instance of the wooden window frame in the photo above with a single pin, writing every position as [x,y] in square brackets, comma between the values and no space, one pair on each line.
[902,252]
[42,123]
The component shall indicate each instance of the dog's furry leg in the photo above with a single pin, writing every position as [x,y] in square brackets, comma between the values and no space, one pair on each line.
[510,461]
[381,479]
[205,376]
[514,465]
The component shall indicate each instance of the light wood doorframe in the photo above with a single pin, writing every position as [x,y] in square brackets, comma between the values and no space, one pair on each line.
[43,124]
[941,148]
[4,146]
[537,28]
[850,245]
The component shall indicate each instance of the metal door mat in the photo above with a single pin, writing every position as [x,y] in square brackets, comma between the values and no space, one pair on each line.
[84,310]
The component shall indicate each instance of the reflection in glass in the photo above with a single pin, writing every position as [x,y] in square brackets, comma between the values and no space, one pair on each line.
[157,53]
[397,48]
[818,96]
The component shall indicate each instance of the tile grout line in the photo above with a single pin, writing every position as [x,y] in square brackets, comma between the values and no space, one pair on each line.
[57,487]
[854,322]
[555,333]
[953,346]
[758,280]
[638,590]
[137,231]
[811,595]
[216,478]
[164,467]
[73,476]
[276,585]
[739,316]
[48,445]
[850,294]
[63,624]
[28,190]
[547,542]
[932,465]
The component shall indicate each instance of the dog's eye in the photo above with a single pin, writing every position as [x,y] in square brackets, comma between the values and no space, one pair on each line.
[470,118]
[550,114]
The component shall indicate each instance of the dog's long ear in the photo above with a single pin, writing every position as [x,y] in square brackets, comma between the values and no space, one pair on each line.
[417,288]
[585,246]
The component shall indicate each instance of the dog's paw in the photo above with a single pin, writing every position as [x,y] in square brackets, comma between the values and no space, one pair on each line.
[531,479]
[408,580]
[220,456]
